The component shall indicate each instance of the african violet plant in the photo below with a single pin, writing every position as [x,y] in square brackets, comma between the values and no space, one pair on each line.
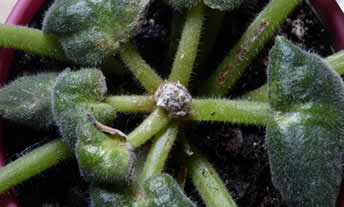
[304,115]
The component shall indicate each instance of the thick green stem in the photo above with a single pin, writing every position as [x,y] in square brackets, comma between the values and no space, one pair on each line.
[34,41]
[33,163]
[234,111]
[336,61]
[155,122]
[136,104]
[245,112]
[248,47]
[259,94]
[159,151]
[142,71]
[30,40]
[207,182]
[187,50]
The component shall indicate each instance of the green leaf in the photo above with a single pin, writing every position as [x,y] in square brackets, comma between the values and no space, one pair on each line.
[223,5]
[76,94]
[91,31]
[103,158]
[27,100]
[305,129]
[163,191]
[108,196]
[120,195]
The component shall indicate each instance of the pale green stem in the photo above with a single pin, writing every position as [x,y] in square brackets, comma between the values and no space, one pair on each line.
[138,66]
[234,111]
[335,61]
[207,182]
[136,104]
[188,45]
[159,151]
[34,41]
[33,163]
[155,122]
[30,40]
[248,47]
[244,112]
[259,94]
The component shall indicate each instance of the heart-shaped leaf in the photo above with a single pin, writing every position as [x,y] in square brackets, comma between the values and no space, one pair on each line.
[305,129]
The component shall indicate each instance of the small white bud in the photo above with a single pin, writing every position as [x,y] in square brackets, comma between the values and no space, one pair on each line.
[174,98]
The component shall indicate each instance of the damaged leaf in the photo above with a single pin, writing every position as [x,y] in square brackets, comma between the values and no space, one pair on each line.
[102,158]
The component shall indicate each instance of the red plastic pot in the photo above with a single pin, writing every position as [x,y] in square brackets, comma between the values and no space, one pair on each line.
[24,11]
[333,17]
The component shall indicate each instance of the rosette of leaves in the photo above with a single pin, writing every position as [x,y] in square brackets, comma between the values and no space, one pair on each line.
[91,31]
[223,5]
[305,129]
[75,99]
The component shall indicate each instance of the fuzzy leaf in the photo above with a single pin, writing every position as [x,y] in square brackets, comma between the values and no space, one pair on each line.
[76,94]
[89,30]
[103,158]
[107,196]
[223,5]
[163,191]
[305,129]
[27,100]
